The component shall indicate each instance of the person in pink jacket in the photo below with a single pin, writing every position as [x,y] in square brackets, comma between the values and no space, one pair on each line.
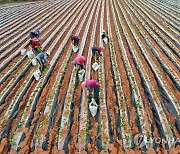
[90,85]
[79,60]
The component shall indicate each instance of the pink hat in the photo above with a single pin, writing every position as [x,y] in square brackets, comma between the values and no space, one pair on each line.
[83,84]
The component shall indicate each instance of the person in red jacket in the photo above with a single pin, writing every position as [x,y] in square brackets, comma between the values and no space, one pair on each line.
[90,85]
[97,51]
[75,40]
[79,60]
[35,45]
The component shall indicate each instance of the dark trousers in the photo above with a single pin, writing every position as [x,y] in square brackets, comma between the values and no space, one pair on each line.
[104,36]
[38,50]
[96,94]
[35,52]
[41,63]
[76,42]
[80,66]
[95,52]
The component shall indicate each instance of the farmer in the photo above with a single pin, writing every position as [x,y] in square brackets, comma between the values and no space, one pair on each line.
[104,35]
[75,40]
[97,51]
[80,61]
[34,34]
[90,85]
[42,58]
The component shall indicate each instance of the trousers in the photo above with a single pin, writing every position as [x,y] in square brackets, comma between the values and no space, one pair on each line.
[41,63]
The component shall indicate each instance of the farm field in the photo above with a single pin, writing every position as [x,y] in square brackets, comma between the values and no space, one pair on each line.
[139,76]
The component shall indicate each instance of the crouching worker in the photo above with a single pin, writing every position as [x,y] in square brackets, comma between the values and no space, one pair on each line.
[80,61]
[75,40]
[90,85]
[105,37]
[42,58]
[97,51]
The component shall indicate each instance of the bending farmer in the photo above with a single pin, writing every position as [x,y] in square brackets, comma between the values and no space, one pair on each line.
[80,61]
[90,85]
[42,58]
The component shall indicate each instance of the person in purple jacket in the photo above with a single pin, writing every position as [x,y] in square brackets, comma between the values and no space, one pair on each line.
[90,85]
